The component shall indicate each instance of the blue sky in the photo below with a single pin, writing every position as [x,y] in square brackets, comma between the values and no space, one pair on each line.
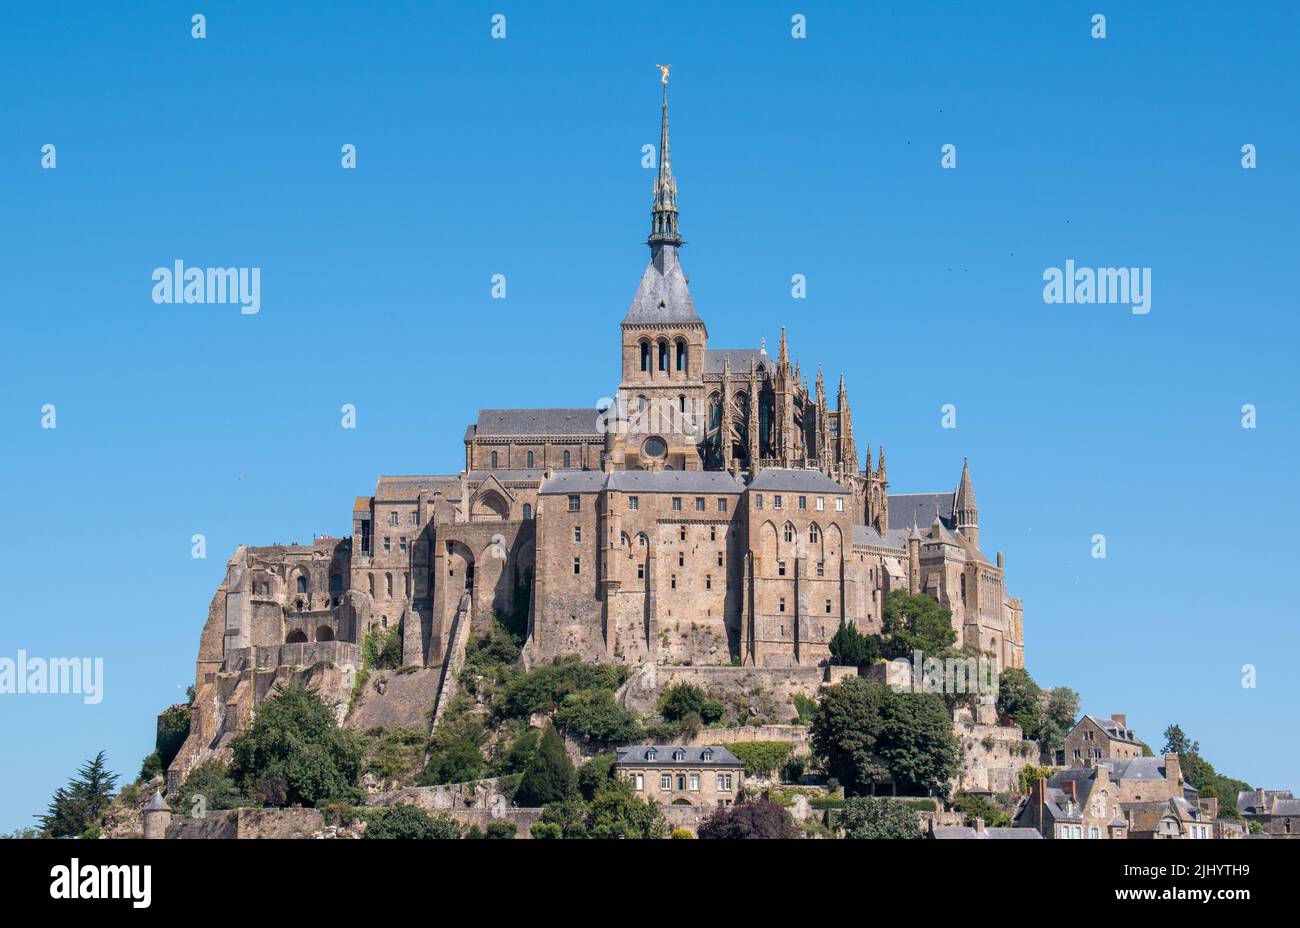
[523,157]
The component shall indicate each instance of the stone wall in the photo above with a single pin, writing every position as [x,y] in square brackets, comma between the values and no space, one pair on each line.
[768,685]
[248,824]
[992,757]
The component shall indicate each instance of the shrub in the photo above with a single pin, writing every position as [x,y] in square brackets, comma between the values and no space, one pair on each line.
[501,830]
[173,729]
[762,758]
[406,822]
[594,773]
[546,830]
[549,776]
[212,781]
[850,648]
[684,699]
[382,649]
[759,818]
[682,834]
[595,715]
[865,817]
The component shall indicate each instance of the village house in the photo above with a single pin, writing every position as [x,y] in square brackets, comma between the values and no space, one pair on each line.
[1094,739]
[1276,811]
[682,775]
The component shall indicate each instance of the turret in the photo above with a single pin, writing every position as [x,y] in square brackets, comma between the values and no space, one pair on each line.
[965,511]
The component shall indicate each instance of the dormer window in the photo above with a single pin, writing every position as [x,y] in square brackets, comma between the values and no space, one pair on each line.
[707,755]
[651,754]
[679,755]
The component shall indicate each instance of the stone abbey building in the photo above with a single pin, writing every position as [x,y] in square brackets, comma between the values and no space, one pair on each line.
[715,512]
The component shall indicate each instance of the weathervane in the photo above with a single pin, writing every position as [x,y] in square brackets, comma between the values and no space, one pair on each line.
[663,70]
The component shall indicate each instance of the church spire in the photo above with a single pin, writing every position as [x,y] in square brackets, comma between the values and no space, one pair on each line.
[663,214]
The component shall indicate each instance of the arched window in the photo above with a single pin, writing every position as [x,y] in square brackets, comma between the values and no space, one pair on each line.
[528,510]
[494,460]
[814,534]
[789,532]
[681,403]
[567,459]
[963,589]
[530,460]
[663,356]
[336,584]
[295,637]
[372,586]
[681,355]
[324,633]
[388,582]
[302,583]
[645,357]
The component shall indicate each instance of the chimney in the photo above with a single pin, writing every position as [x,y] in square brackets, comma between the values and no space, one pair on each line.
[1120,720]
[979,826]
[1174,772]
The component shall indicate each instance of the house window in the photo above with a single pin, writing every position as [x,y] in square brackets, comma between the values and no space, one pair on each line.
[724,782]
[695,782]
[828,607]
[789,532]
[401,544]
[821,568]
[388,545]
[530,459]
[577,534]
[782,604]
[821,503]
[776,502]
[803,502]
[392,517]
[575,503]
[415,517]
[665,781]
[528,510]
[713,533]
[681,782]
[699,504]
[577,565]
[720,562]
[681,558]
[839,504]
[1094,832]
[640,571]
[677,504]
[681,533]
[722,505]
[567,459]
[707,754]
[780,568]
[494,460]
[814,534]
[651,754]
[708,581]
[638,781]
[673,581]
[633,503]
[679,756]
[758,501]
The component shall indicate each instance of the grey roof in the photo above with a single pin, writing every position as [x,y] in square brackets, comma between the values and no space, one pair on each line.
[1114,729]
[1260,801]
[408,488]
[1022,834]
[499,422]
[1083,777]
[663,296]
[867,535]
[679,481]
[949,832]
[908,509]
[714,358]
[573,481]
[1135,768]
[637,754]
[1057,802]
[157,803]
[795,480]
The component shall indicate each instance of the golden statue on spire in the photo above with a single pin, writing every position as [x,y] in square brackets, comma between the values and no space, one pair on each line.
[663,70]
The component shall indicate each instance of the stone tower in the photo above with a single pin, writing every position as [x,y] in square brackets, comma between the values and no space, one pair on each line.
[661,395]
[965,512]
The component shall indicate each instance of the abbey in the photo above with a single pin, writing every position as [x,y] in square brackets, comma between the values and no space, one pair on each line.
[716,512]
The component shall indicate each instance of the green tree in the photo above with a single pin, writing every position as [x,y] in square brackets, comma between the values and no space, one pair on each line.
[757,818]
[593,714]
[455,748]
[1177,742]
[501,830]
[549,776]
[915,622]
[78,808]
[408,822]
[173,729]
[850,648]
[294,748]
[1031,774]
[521,750]
[845,726]
[1019,698]
[677,702]
[972,807]
[616,812]
[594,773]
[916,742]
[211,780]
[865,817]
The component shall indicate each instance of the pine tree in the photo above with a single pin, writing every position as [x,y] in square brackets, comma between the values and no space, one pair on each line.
[549,776]
[81,804]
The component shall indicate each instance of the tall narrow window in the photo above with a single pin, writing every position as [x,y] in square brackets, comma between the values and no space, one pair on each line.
[645,357]
[494,460]
[681,355]
[528,510]
[663,356]
[530,460]
[567,459]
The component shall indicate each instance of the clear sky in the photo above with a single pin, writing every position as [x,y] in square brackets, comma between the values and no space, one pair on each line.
[522,157]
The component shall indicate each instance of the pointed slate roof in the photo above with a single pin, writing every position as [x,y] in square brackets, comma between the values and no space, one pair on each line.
[663,297]
[965,489]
